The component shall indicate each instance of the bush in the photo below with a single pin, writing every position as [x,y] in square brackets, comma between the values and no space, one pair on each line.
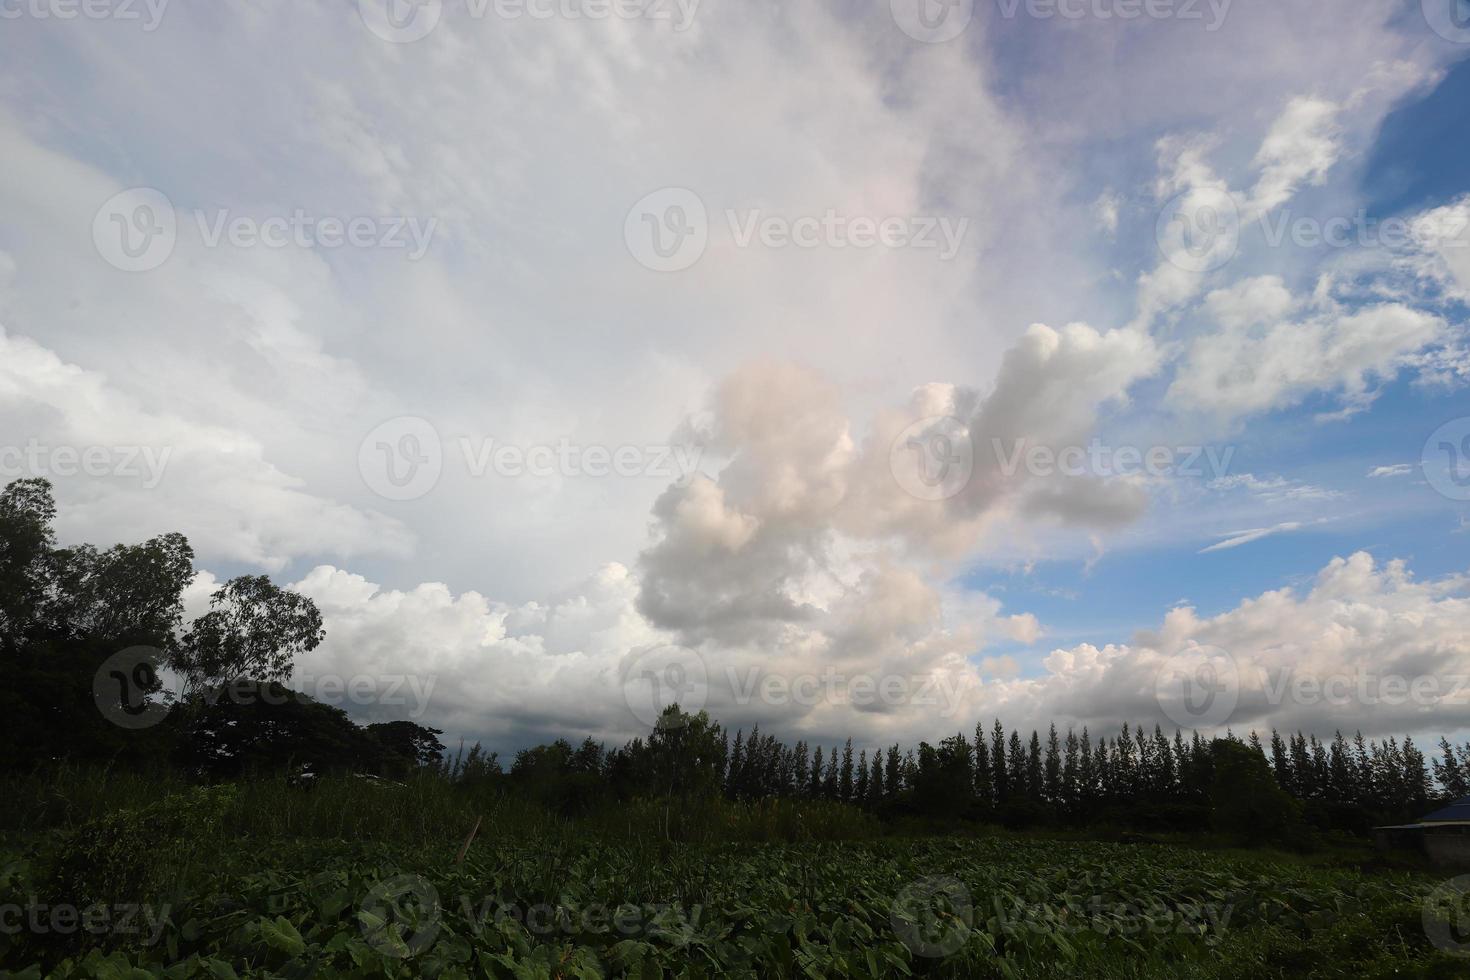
[133,855]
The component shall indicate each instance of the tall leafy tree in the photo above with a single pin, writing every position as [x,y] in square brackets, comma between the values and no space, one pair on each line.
[27,511]
[254,629]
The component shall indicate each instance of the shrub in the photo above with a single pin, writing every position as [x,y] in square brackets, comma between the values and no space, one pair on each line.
[134,855]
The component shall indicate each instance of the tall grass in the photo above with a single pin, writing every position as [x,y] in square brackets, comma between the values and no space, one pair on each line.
[427,809]
[68,795]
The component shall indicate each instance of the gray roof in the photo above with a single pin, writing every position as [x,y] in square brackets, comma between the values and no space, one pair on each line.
[1456,811]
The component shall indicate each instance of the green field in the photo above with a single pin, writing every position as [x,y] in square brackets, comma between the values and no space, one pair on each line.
[211,883]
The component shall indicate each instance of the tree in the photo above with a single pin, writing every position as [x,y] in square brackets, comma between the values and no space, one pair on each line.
[264,727]
[683,754]
[1416,777]
[1016,767]
[1086,773]
[1244,797]
[737,760]
[984,792]
[26,540]
[844,782]
[415,743]
[1449,772]
[1053,775]
[253,629]
[1069,773]
[1280,761]
[944,783]
[999,772]
[64,613]
[892,772]
[128,595]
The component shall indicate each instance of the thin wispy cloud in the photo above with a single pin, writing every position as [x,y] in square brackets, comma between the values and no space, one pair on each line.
[1236,539]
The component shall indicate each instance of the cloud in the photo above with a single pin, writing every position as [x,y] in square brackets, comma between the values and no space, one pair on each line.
[1105,210]
[151,465]
[1237,538]
[1343,654]
[1395,469]
[511,675]
[1261,359]
[1273,489]
[1300,149]
[744,555]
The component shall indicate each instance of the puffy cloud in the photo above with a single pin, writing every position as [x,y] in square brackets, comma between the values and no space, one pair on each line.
[473,667]
[1366,645]
[744,557]
[1348,653]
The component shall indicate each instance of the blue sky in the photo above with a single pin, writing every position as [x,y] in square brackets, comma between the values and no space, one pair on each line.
[1415,163]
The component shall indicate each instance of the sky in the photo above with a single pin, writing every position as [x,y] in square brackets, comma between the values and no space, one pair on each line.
[857,370]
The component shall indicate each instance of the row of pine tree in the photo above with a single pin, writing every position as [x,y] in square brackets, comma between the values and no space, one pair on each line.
[1075,773]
